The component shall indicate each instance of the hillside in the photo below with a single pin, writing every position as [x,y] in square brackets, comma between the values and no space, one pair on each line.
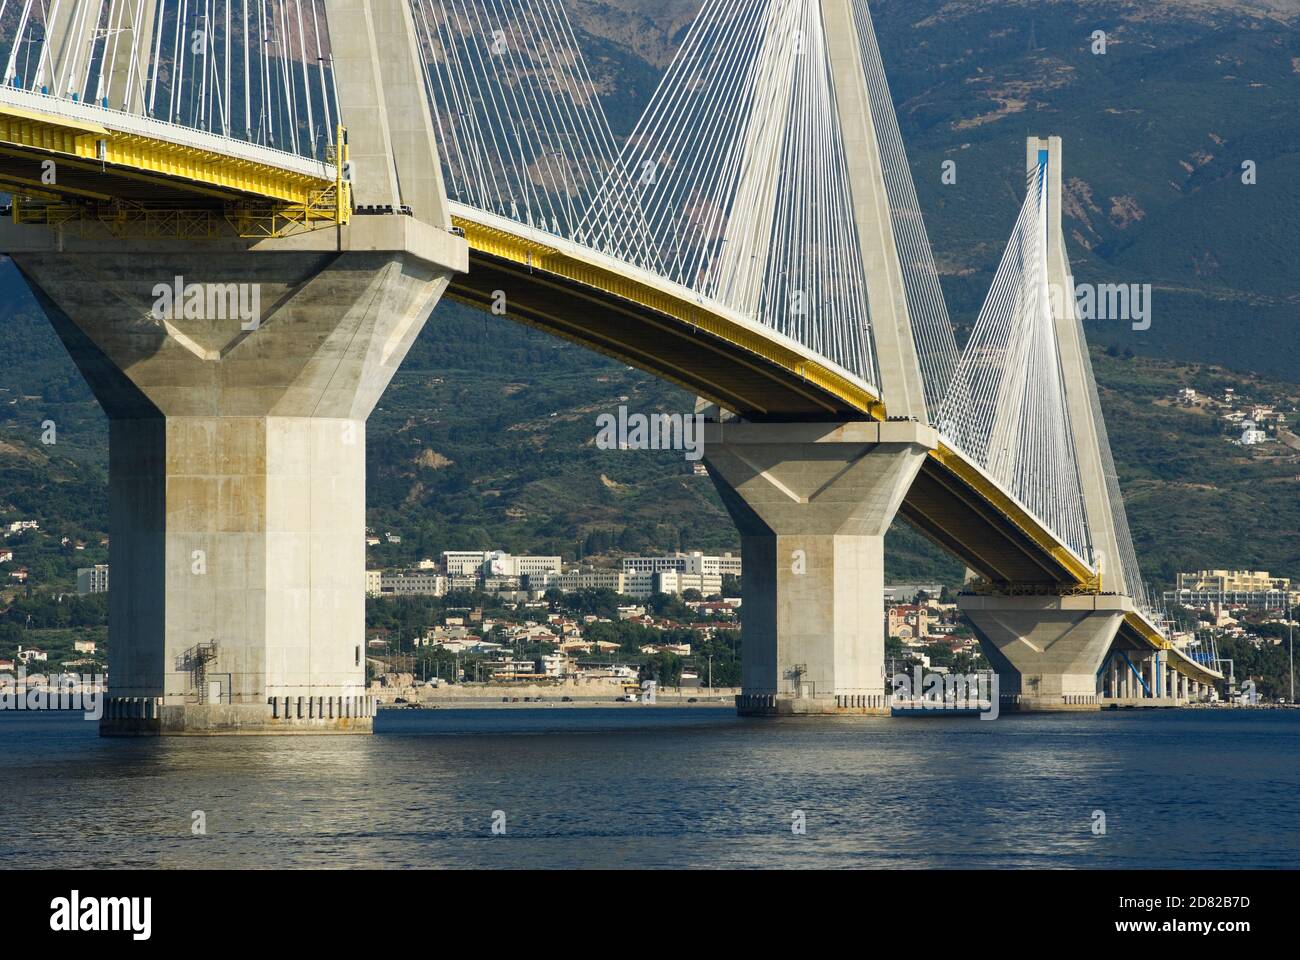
[485,438]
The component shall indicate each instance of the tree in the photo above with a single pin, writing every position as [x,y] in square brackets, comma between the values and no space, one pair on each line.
[664,668]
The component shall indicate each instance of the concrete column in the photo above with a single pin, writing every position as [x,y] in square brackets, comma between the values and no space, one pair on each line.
[237,447]
[127,86]
[813,502]
[1046,649]
[1091,445]
[71,28]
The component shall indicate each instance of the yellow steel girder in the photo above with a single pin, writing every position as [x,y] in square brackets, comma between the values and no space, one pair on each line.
[548,259]
[1007,507]
[207,175]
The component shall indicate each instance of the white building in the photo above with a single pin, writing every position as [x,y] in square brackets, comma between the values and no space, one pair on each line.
[1252,435]
[639,585]
[92,579]
[675,583]
[412,583]
[463,563]
[18,526]
[554,664]
[692,563]
[374,583]
[497,563]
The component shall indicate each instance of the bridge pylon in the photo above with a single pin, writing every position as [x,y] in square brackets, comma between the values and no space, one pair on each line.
[813,501]
[237,375]
[1048,649]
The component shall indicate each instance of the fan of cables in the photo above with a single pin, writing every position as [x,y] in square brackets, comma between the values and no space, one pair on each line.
[253,70]
[1011,415]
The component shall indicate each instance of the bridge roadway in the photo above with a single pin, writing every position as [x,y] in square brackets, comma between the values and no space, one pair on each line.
[118,172]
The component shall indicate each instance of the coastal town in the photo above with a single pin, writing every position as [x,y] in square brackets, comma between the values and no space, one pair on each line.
[489,626]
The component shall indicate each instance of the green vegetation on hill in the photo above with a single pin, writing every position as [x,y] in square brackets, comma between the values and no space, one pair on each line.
[485,438]
[1195,498]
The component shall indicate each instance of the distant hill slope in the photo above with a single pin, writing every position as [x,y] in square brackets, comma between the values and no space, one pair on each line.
[1155,131]
[486,439]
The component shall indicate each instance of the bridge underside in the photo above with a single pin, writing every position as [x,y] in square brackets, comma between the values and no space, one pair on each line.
[705,362]
[964,513]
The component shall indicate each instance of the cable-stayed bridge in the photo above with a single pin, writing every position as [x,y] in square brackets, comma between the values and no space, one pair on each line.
[239,215]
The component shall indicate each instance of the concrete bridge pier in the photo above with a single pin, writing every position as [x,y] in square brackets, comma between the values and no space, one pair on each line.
[237,374]
[237,459]
[1049,650]
[813,503]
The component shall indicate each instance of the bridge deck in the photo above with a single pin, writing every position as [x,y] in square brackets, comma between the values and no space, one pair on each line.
[616,309]
[106,162]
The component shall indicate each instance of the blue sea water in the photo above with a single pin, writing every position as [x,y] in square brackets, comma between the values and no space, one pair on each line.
[664,787]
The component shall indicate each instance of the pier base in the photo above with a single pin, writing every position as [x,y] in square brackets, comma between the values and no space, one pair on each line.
[1046,650]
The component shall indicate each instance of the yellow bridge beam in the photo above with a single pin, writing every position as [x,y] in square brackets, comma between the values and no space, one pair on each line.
[94,162]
